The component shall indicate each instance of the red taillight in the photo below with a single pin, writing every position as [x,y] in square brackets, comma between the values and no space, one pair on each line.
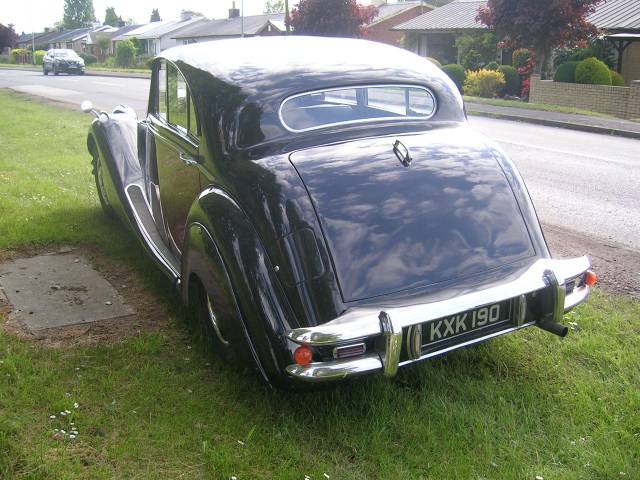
[590,278]
[303,355]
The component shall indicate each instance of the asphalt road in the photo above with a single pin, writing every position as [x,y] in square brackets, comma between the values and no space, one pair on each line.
[588,183]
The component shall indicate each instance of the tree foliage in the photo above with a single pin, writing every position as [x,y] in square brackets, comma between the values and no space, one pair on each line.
[476,49]
[539,25]
[155,16]
[274,6]
[331,18]
[110,18]
[78,13]
[8,36]
[125,53]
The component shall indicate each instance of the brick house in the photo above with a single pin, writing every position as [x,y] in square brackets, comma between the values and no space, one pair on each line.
[392,14]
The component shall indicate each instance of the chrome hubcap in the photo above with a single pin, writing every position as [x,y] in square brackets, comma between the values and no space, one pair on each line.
[214,322]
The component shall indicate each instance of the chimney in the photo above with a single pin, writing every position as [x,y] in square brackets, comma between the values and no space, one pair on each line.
[233,11]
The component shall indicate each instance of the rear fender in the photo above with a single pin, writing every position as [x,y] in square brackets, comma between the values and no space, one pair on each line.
[220,242]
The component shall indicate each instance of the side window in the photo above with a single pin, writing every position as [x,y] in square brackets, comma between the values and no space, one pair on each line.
[162,90]
[177,99]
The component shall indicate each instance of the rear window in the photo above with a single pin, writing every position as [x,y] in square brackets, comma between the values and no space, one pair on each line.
[309,111]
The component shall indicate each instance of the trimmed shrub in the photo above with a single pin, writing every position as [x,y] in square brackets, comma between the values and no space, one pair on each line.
[484,83]
[434,61]
[617,80]
[512,80]
[495,66]
[88,58]
[455,73]
[125,53]
[593,72]
[520,57]
[19,55]
[566,72]
[39,56]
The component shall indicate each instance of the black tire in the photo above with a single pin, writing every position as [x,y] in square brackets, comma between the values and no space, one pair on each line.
[98,175]
[44,70]
[55,70]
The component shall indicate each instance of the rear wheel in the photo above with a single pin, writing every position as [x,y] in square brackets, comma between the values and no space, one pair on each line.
[209,317]
[44,70]
[55,70]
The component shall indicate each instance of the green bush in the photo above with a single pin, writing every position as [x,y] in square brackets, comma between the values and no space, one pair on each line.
[566,72]
[109,62]
[471,60]
[88,58]
[125,53]
[594,72]
[520,57]
[495,66]
[617,80]
[512,80]
[484,83]
[455,73]
[39,56]
[434,61]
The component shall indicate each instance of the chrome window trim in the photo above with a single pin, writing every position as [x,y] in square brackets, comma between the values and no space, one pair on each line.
[364,120]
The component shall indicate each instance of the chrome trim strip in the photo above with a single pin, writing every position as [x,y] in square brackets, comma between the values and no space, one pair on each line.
[360,323]
[576,297]
[336,369]
[365,120]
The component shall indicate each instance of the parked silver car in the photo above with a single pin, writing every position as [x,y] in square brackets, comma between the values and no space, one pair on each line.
[62,60]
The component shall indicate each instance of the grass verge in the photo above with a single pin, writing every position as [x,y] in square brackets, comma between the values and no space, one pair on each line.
[498,102]
[154,407]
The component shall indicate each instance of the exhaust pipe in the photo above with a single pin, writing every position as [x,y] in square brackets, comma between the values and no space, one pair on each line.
[555,328]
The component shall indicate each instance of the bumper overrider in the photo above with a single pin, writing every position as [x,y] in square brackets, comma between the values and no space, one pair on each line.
[383,339]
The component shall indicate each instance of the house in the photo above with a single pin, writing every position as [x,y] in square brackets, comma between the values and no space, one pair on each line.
[433,34]
[74,39]
[163,37]
[134,33]
[390,15]
[93,43]
[234,26]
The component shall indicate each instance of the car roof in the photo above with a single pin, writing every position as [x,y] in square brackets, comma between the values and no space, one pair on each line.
[297,62]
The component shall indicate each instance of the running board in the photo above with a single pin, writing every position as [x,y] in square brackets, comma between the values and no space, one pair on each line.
[152,240]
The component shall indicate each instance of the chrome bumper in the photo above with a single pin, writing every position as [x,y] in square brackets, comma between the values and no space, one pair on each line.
[363,323]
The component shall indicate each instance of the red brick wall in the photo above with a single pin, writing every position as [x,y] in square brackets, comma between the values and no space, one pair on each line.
[381,32]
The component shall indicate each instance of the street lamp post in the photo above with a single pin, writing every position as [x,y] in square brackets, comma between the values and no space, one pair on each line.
[242,18]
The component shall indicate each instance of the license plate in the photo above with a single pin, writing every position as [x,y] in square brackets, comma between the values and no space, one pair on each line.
[479,319]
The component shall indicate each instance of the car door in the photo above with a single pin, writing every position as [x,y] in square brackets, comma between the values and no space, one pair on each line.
[175,137]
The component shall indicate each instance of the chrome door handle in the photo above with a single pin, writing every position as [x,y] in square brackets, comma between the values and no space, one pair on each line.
[187,159]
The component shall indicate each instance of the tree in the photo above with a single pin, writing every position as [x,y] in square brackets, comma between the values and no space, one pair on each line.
[104,45]
[155,16]
[537,25]
[274,6]
[125,53]
[8,36]
[78,13]
[331,18]
[110,18]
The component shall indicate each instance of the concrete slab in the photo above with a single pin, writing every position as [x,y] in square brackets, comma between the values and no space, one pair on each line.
[58,290]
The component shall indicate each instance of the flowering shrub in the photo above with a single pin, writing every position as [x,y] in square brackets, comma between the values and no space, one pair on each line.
[484,83]
[525,74]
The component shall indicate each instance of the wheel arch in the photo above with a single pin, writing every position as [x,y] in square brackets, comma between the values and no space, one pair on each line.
[221,242]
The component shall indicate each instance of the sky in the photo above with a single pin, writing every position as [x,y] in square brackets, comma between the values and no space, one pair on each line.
[30,15]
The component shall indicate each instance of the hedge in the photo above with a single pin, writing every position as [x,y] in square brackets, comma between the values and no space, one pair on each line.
[456,73]
[594,72]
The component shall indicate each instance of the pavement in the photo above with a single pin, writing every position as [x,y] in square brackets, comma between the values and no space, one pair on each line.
[572,121]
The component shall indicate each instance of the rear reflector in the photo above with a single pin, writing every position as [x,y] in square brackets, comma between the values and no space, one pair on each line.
[347,351]
[590,278]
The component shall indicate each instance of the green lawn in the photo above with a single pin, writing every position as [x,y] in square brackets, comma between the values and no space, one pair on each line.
[498,102]
[153,407]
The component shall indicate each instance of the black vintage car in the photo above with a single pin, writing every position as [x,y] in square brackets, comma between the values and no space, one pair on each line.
[62,60]
[325,208]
